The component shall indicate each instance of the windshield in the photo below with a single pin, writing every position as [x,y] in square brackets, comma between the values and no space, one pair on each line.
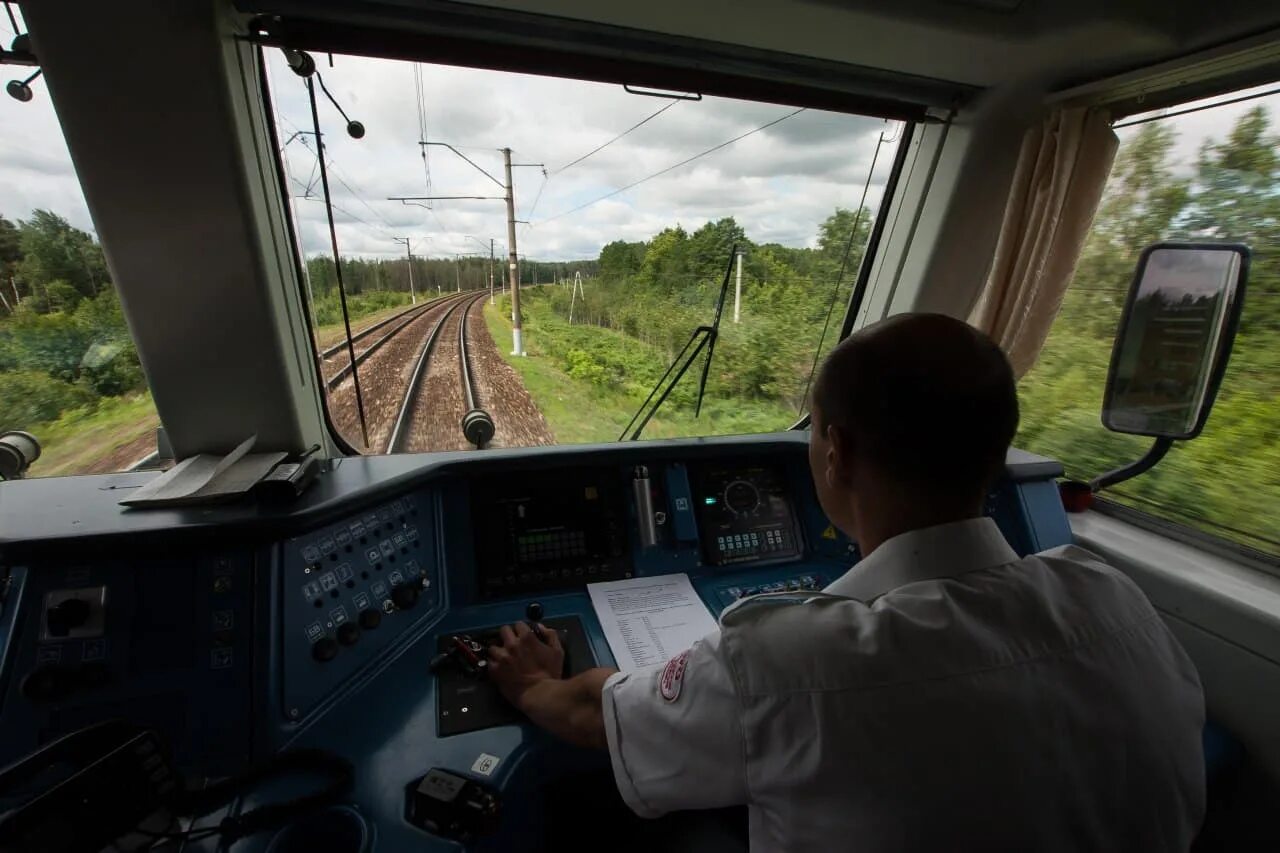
[69,372]
[631,215]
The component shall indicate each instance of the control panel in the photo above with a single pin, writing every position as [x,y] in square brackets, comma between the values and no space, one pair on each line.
[358,621]
[745,513]
[349,591]
[549,531]
[161,640]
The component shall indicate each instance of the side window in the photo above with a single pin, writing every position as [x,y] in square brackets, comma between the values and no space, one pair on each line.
[69,372]
[1208,174]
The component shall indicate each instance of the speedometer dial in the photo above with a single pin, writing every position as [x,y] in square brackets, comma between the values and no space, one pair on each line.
[741,497]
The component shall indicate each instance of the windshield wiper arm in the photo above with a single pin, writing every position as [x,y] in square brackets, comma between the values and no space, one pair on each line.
[702,337]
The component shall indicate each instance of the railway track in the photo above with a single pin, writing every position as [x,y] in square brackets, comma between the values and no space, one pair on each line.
[441,387]
[372,338]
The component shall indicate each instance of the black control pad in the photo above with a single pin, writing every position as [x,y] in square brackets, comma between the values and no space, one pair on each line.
[469,701]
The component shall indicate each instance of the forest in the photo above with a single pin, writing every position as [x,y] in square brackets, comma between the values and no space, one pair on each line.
[66,356]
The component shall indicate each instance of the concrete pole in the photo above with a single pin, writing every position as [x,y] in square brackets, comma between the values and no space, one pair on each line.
[737,292]
[490,270]
[517,330]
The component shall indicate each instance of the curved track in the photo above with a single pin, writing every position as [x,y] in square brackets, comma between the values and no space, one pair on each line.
[386,367]
[441,390]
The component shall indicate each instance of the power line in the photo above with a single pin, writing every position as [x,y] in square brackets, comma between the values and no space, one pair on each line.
[685,162]
[600,148]
[342,210]
[422,122]
[338,177]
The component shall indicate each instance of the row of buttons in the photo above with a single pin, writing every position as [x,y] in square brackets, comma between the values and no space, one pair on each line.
[361,529]
[324,646]
[750,543]
[806,582]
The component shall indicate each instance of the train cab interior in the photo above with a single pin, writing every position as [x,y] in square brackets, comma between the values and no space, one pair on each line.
[295,660]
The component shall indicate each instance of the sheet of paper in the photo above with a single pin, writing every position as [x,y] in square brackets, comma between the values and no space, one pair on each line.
[206,476]
[650,620]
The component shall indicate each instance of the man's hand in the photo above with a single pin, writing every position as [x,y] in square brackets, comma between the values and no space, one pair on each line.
[523,660]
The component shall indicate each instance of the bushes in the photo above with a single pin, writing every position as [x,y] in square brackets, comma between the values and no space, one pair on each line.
[328,308]
[60,360]
[29,397]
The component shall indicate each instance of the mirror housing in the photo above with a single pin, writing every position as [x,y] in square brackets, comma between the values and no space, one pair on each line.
[1172,345]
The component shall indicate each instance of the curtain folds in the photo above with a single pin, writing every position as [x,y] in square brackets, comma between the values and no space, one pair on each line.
[1062,168]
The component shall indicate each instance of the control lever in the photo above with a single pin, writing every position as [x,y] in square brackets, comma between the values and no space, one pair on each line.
[533,612]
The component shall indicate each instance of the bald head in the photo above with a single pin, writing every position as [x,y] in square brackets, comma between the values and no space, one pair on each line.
[925,401]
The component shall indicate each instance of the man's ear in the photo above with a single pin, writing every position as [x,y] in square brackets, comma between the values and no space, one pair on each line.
[839,471]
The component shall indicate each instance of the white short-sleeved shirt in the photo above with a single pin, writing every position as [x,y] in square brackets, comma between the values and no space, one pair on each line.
[952,697]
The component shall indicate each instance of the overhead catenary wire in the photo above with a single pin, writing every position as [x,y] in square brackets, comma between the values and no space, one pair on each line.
[675,166]
[420,94]
[605,145]
[844,261]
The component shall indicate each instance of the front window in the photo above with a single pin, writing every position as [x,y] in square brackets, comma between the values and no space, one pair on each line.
[628,209]
[1200,174]
[69,372]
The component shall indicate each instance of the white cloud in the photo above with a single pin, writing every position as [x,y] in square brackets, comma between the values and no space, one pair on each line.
[780,183]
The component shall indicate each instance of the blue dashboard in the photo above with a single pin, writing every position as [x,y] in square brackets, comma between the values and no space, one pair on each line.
[239,631]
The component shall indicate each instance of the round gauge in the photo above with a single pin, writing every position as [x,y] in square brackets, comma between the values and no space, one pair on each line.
[741,497]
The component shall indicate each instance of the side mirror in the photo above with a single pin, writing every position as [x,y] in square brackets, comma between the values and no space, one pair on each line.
[1172,346]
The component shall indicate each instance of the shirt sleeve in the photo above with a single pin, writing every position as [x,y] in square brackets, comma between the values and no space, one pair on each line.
[675,733]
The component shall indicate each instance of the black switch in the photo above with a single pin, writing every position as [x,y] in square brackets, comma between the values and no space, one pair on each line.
[324,649]
[348,633]
[65,615]
[370,619]
[533,612]
[405,596]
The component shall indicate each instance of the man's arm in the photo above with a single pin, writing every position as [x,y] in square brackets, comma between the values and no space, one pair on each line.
[571,709]
[673,731]
[527,671]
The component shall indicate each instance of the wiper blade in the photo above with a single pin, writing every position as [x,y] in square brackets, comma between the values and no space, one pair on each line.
[703,337]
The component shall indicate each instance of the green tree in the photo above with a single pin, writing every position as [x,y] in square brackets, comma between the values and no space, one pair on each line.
[53,250]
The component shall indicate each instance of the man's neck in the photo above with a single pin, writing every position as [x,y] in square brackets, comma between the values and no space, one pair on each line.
[883,521]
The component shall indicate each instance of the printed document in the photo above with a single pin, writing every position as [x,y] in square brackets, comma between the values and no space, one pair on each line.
[650,620]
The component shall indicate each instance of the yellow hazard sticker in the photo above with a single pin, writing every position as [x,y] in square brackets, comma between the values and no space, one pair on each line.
[830,532]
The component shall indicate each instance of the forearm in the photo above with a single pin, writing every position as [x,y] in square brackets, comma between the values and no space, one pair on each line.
[571,708]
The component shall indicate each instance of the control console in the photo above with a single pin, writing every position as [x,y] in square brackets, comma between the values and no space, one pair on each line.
[745,513]
[350,590]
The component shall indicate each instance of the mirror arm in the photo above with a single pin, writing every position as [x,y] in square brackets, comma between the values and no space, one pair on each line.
[1133,469]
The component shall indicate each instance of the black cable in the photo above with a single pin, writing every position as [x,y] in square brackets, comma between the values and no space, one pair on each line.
[8,7]
[337,260]
[711,150]
[600,148]
[844,260]
[331,98]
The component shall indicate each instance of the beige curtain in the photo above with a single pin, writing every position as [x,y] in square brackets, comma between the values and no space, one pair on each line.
[1062,169]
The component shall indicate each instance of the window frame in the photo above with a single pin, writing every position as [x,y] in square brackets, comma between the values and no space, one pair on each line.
[1145,519]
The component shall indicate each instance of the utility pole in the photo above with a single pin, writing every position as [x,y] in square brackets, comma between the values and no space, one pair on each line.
[490,270]
[457,268]
[573,298]
[517,329]
[508,196]
[737,291]
[413,296]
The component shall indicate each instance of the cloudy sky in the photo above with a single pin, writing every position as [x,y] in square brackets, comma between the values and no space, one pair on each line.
[780,183]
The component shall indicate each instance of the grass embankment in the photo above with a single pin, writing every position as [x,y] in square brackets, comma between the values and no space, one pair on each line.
[588,381]
[108,436]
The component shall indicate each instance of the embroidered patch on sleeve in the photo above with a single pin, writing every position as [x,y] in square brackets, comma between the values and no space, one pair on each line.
[673,676]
